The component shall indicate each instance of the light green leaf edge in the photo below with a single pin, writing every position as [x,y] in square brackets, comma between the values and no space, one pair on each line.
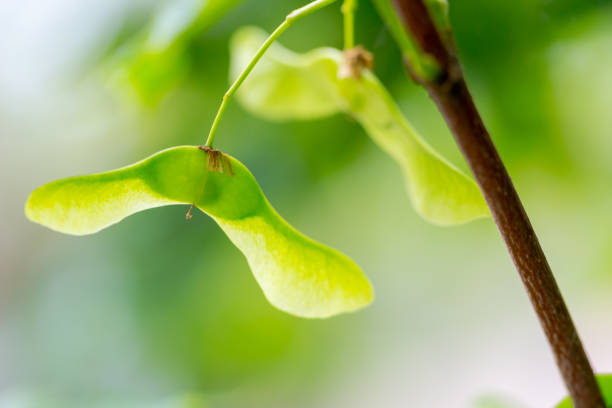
[605,384]
[285,86]
[296,274]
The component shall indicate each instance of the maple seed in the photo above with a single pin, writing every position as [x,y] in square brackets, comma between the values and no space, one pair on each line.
[355,61]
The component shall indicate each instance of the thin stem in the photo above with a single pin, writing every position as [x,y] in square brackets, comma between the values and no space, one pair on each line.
[348,11]
[291,18]
[450,92]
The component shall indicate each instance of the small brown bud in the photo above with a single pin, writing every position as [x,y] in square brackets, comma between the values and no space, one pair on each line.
[355,61]
[217,161]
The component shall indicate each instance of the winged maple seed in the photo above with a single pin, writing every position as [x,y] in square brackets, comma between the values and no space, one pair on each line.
[297,274]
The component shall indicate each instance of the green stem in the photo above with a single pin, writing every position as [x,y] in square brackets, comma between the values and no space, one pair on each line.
[291,18]
[348,11]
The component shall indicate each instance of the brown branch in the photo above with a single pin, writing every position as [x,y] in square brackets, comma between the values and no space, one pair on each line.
[450,92]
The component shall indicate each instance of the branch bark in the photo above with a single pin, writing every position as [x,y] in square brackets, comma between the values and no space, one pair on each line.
[450,92]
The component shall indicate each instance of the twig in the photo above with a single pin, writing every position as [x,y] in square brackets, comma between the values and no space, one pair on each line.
[291,18]
[450,92]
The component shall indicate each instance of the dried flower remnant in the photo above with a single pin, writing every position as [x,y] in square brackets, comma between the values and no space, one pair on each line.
[217,161]
[355,61]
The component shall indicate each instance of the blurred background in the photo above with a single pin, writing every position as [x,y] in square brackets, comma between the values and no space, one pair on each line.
[160,312]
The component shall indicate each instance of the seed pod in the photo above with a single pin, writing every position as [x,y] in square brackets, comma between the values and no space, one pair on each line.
[290,86]
[297,274]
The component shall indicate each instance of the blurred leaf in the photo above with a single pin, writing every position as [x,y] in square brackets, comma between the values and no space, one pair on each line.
[34,399]
[605,384]
[579,67]
[157,59]
[297,274]
[286,86]
[496,401]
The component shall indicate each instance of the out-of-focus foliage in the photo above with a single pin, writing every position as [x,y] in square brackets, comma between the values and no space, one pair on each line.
[496,401]
[579,65]
[297,274]
[605,384]
[288,86]
[27,399]
[156,59]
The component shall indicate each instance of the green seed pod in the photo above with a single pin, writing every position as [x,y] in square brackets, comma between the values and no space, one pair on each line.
[286,85]
[297,274]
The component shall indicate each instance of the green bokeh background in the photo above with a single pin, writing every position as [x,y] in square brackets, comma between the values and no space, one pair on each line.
[158,311]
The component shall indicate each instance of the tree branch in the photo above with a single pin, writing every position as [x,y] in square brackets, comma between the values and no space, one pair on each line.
[450,92]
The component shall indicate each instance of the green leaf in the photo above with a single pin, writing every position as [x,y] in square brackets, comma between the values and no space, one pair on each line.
[605,384]
[287,86]
[157,59]
[297,274]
